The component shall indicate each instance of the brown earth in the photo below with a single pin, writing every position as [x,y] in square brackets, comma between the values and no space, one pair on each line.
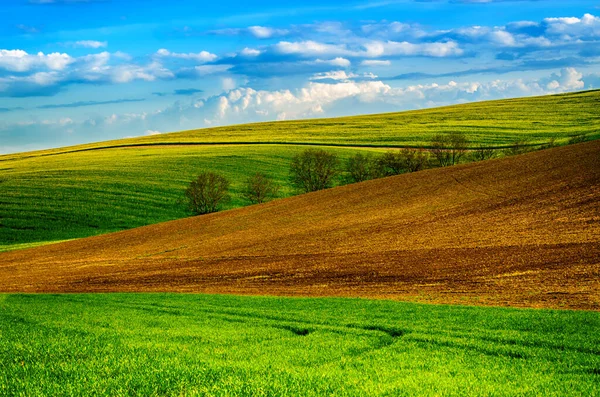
[521,231]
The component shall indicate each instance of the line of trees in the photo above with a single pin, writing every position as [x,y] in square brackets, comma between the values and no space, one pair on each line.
[317,169]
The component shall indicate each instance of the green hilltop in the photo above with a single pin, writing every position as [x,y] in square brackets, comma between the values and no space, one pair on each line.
[85,190]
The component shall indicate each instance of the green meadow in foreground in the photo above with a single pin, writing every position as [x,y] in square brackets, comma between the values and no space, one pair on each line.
[104,187]
[187,345]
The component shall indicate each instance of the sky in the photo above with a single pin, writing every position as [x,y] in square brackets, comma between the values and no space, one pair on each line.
[77,71]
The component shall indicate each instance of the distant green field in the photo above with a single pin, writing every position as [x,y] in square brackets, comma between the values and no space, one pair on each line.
[99,188]
[81,194]
[202,345]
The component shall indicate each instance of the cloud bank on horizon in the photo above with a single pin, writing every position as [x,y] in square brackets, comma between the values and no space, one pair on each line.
[74,71]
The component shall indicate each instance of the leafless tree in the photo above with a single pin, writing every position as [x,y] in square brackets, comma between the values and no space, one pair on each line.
[440,149]
[449,149]
[414,159]
[482,152]
[390,163]
[259,188]
[313,169]
[360,167]
[207,192]
[518,147]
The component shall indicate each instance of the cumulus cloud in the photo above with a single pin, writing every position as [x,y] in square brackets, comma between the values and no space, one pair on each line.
[316,48]
[339,61]
[250,52]
[371,49]
[548,33]
[62,70]
[317,98]
[587,27]
[21,61]
[569,79]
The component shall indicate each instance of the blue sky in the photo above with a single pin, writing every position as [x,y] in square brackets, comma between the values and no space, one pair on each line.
[75,71]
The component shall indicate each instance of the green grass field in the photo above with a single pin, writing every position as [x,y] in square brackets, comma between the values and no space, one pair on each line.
[87,193]
[186,345]
[94,189]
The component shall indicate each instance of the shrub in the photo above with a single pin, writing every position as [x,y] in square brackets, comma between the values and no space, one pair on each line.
[313,169]
[207,192]
[414,159]
[259,188]
[360,167]
[388,164]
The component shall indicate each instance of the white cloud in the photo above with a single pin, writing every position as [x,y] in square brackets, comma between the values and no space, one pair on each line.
[334,75]
[372,49]
[569,79]
[21,61]
[90,44]
[375,62]
[376,49]
[586,27]
[262,32]
[250,52]
[312,48]
[202,56]
[339,61]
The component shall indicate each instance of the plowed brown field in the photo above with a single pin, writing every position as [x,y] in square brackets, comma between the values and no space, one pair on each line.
[521,231]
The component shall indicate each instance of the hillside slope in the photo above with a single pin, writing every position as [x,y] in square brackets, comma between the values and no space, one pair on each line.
[104,187]
[519,231]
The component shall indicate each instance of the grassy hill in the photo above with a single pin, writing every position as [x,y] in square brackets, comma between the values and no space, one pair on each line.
[87,190]
[521,230]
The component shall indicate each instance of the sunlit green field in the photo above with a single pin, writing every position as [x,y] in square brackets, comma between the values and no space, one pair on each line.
[81,194]
[186,345]
[93,189]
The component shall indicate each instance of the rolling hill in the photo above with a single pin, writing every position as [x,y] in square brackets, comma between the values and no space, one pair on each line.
[104,187]
[522,231]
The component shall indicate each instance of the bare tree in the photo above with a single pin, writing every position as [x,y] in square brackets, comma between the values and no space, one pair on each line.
[482,152]
[390,163]
[449,149]
[259,188]
[360,167]
[518,147]
[414,159]
[458,146]
[207,192]
[440,149]
[313,169]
